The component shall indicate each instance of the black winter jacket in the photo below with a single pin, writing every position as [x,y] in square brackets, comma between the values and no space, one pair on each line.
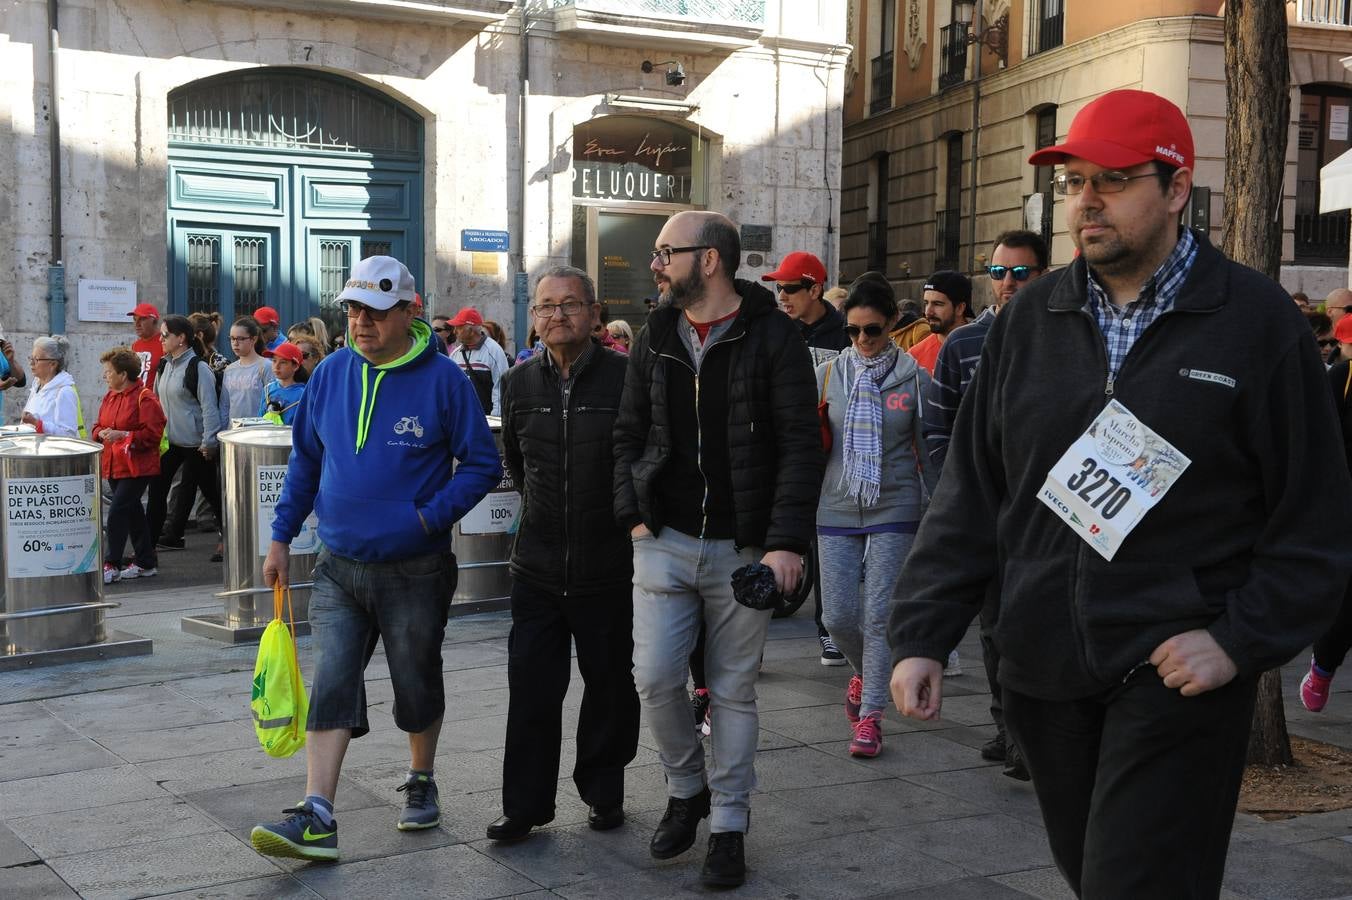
[828,332]
[773,440]
[557,448]
[1241,544]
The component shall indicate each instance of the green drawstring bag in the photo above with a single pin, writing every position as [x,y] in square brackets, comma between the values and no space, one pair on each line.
[278,697]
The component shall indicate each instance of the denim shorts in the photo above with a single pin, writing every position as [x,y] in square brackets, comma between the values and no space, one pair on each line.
[403,603]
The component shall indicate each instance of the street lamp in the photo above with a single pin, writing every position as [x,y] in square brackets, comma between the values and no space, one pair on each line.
[993,36]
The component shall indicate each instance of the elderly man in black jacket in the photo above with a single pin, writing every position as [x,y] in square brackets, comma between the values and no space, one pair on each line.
[1143,473]
[570,565]
[718,464]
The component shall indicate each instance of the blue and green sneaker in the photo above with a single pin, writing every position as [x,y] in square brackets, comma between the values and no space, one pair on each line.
[420,803]
[302,835]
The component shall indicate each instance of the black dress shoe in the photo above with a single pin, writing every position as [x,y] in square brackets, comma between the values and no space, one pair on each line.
[675,834]
[994,749]
[509,829]
[725,865]
[604,818]
[1014,765]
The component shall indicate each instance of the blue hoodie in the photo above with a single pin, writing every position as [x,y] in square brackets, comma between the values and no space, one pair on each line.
[374,450]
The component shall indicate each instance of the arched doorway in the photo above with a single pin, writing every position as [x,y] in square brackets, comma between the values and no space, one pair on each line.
[279,179]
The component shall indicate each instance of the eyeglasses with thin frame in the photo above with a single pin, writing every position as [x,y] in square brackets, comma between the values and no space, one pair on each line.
[353,310]
[33,359]
[853,331]
[1333,308]
[1110,182]
[794,287]
[548,310]
[1020,273]
[664,254]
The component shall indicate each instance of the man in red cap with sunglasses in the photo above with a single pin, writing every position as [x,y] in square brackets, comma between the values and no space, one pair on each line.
[1140,481]
[800,281]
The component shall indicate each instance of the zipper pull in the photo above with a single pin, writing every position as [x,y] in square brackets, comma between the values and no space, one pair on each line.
[1108,388]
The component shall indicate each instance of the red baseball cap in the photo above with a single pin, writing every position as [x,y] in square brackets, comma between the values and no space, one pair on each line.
[797,266]
[145,311]
[287,350]
[266,315]
[466,316]
[1343,330]
[1122,129]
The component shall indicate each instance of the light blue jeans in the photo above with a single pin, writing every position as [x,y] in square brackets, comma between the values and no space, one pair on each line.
[679,580]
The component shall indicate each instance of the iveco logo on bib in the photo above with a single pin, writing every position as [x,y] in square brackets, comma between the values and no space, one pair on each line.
[1058,503]
[409,424]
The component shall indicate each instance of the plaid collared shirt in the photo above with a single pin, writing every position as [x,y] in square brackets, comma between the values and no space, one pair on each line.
[1122,327]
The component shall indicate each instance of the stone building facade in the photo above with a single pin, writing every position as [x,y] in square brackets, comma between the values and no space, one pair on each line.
[224,154]
[927,93]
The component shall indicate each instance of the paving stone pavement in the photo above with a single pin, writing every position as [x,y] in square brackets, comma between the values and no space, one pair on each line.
[142,777]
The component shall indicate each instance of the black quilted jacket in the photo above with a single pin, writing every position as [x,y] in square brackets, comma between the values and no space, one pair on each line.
[773,441]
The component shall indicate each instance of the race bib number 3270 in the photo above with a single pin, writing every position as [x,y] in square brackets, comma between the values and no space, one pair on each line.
[1111,477]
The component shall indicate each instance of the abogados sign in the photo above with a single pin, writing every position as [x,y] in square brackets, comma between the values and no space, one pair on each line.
[630,158]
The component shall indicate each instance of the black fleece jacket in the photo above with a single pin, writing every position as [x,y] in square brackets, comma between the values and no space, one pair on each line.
[1240,546]
[764,391]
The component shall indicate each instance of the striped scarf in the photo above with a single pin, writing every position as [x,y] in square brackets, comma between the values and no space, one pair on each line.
[861,476]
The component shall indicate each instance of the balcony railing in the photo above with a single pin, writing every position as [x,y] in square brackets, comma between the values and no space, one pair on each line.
[952,55]
[733,12]
[947,239]
[1319,238]
[882,83]
[1324,12]
[1048,32]
[1041,223]
[877,246]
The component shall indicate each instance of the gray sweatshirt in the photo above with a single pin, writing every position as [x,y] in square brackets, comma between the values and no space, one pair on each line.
[192,421]
[901,498]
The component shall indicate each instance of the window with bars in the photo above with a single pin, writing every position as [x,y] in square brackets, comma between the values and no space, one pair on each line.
[1047,28]
[1325,12]
[250,271]
[204,272]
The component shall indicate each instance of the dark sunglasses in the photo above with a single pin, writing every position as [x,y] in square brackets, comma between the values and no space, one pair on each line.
[1020,273]
[1328,342]
[853,331]
[441,330]
[795,288]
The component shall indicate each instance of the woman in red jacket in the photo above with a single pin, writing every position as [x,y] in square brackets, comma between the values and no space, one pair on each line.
[130,425]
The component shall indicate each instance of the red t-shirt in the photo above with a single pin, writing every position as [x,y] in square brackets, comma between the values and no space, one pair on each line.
[927,352]
[150,350]
[703,328]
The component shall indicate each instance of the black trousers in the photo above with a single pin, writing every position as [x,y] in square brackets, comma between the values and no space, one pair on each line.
[990,659]
[198,472]
[1138,785]
[544,624]
[1331,648]
[126,518]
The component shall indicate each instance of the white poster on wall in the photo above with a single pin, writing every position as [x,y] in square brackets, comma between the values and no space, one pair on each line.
[51,526]
[105,301]
[495,514]
[269,481]
[1338,123]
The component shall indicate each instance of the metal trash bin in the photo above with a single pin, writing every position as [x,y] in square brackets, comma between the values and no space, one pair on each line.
[51,596]
[482,541]
[253,463]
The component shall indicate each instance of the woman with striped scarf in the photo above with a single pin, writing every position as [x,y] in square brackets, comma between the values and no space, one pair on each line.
[872,497]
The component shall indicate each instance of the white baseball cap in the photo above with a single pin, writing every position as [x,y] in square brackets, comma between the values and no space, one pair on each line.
[378,282]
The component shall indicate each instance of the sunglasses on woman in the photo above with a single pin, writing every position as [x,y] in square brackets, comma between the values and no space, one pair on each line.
[853,331]
[1020,273]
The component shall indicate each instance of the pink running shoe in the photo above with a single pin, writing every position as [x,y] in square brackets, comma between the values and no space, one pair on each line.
[868,736]
[1314,689]
[854,696]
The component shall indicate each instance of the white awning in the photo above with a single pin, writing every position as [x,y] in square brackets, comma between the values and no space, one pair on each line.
[1335,184]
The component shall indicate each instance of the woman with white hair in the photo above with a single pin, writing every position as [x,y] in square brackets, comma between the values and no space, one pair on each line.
[54,406]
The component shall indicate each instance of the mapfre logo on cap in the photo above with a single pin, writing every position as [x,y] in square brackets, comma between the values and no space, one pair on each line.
[1171,152]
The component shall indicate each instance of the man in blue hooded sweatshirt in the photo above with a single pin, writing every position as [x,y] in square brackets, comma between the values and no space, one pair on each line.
[375,443]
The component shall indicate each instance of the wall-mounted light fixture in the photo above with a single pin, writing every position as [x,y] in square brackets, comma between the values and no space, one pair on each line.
[993,36]
[675,75]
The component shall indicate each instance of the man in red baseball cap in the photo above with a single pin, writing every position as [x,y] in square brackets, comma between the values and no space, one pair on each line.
[146,322]
[479,356]
[1141,481]
[271,324]
[800,281]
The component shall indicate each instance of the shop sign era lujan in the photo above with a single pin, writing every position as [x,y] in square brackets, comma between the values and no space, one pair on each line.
[616,161]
